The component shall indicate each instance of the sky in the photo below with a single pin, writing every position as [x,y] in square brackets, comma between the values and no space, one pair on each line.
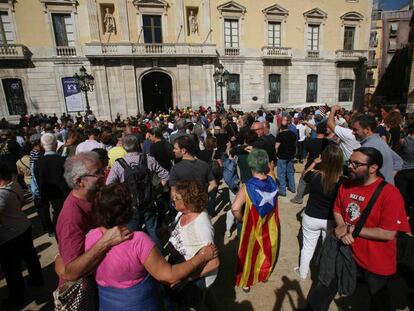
[392,4]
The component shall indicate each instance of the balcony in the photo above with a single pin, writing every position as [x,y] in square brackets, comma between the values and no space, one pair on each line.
[350,55]
[13,51]
[271,52]
[232,51]
[313,54]
[66,51]
[150,50]
[372,63]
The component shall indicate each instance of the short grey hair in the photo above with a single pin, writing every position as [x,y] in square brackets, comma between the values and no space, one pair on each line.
[76,167]
[131,143]
[49,142]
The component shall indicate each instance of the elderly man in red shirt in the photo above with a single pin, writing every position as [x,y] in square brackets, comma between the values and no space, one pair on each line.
[84,174]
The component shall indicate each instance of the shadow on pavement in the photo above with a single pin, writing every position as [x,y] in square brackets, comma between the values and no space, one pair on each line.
[284,292]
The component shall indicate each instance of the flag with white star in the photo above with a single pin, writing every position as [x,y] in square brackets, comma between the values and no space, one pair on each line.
[259,238]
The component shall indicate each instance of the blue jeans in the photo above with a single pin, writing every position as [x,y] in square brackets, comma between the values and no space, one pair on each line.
[285,170]
[149,218]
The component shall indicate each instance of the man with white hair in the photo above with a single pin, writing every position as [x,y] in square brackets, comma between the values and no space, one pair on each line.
[49,171]
[85,175]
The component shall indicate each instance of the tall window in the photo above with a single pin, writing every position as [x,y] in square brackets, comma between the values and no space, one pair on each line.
[313,37]
[312,89]
[6,29]
[349,38]
[273,34]
[231,33]
[63,29]
[13,90]
[393,29]
[152,28]
[274,89]
[233,89]
[346,89]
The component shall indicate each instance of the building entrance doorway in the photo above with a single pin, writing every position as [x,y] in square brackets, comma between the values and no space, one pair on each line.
[157,92]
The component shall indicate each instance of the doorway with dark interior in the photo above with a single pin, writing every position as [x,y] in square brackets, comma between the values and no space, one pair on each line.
[157,91]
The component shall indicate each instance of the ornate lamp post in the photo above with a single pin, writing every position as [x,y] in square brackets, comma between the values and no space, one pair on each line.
[86,83]
[221,76]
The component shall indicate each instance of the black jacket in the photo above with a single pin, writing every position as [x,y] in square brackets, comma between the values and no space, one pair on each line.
[335,261]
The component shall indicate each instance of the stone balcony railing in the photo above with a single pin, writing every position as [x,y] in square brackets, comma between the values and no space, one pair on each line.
[13,51]
[66,51]
[150,49]
[232,51]
[276,52]
[313,54]
[351,55]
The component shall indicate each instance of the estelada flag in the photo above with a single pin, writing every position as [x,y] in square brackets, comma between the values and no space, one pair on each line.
[258,246]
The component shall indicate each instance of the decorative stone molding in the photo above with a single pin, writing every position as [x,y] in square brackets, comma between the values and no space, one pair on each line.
[232,9]
[60,5]
[275,13]
[151,6]
[315,16]
[351,19]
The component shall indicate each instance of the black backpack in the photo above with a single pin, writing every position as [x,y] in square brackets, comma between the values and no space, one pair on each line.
[138,178]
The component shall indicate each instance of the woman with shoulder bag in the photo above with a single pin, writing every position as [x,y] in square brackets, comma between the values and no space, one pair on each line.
[322,177]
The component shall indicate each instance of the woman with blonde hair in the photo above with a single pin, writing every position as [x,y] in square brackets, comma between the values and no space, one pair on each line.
[318,217]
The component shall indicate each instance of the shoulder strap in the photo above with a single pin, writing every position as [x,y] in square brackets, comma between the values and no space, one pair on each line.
[23,163]
[123,163]
[368,209]
[143,160]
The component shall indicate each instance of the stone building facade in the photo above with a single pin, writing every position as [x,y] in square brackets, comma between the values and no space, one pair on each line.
[156,54]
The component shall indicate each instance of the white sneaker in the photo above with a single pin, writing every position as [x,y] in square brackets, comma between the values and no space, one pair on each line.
[296,270]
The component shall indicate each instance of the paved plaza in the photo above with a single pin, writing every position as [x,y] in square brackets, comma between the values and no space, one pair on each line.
[283,291]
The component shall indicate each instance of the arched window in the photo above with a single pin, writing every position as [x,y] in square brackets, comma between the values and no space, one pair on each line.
[274,88]
[233,89]
[346,90]
[13,90]
[312,89]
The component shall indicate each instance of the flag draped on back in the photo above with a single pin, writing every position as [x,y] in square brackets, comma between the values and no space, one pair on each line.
[258,246]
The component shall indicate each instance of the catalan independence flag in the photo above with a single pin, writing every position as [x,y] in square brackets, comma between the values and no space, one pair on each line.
[258,246]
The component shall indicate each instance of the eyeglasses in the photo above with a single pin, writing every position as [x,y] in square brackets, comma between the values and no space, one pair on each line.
[98,174]
[356,164]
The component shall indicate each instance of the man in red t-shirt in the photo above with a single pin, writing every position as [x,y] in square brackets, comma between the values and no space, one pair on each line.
[375,249]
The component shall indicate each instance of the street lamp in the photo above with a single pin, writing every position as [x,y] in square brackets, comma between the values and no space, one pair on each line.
[221,76]
[86,83]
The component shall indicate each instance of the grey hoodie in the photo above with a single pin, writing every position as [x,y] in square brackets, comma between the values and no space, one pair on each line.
[13,222]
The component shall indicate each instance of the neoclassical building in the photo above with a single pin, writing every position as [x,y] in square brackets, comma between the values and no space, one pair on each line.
[155,54]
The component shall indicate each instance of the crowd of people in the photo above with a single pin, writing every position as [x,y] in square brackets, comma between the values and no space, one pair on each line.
[130,201]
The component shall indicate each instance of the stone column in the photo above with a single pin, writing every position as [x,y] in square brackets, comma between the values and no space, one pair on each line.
[206,21]
[93,20]
[123,20]
[181,20]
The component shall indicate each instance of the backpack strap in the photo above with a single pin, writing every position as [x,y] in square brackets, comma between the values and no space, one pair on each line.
[123,163]
[143,160]
[367,210]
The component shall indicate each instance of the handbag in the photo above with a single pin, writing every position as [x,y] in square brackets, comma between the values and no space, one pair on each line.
[77,295]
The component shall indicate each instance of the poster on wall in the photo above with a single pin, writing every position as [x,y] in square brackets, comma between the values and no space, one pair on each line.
[73,96]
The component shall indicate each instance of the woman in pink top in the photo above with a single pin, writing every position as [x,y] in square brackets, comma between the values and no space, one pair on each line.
[125,275]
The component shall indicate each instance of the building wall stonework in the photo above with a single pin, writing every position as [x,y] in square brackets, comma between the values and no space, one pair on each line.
[119,59]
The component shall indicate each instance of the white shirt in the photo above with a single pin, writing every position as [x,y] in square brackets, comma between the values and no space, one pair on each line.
[303,130]
[189,239]
[348,142]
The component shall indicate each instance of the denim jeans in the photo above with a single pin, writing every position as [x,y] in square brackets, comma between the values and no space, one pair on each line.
[149,218]
[285,170]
